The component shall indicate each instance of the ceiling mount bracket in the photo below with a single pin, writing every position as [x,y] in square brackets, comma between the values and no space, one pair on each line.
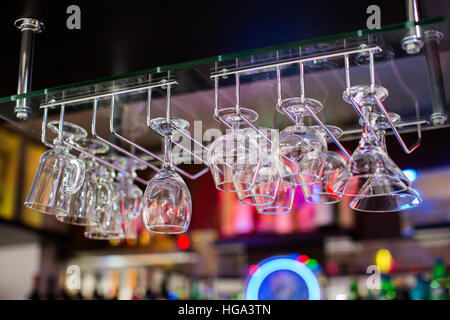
[28,27]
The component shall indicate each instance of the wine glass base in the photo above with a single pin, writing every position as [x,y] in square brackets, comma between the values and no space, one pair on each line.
[363,95]
[70,130]
[93,146]
[381,121]
[126,163]
[380,58]
[230,115]
[335,131]
[296,107]
[162,127]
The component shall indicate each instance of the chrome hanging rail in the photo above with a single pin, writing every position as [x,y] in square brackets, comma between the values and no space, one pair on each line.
[97,97]
[103,95]
[383,110]
[277,66]
[342,53]
[72,146]
[112,145]
[336,54]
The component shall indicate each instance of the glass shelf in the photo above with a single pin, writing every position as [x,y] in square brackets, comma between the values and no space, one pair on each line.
[405,76]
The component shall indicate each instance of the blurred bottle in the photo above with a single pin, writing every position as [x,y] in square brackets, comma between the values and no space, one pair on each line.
[164,289]
[149,295]
[97,294]
[421,290]
[51,289]
[354,290]
[370,295]
[438,292]
[34,294]
[388,289]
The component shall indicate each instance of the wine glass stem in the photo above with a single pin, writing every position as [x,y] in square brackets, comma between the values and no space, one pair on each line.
[382,137]
[366,118]
[299,120]
[167,151]
[235,126]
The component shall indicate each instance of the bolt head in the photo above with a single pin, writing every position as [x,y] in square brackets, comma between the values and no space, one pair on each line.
[412,44]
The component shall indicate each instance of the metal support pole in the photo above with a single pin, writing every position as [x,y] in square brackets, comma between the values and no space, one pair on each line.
[28,28]
[438,100]
[413,43]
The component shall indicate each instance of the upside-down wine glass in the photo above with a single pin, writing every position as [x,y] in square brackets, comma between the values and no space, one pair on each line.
[369,158]
[59,173]
[234,158]
[265,186]
[322,192]
[381,193]
[166,204]
[110,220]
[130,194]
[302,149]
[82,204]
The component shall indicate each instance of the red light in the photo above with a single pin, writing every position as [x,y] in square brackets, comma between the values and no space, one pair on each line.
[183,242]
[303,258]
[331,192]
[252,269]
[332,268]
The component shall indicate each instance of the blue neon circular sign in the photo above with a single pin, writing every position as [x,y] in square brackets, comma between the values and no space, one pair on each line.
[270,266]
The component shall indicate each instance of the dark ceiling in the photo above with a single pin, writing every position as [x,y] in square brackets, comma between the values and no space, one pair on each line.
[118,37]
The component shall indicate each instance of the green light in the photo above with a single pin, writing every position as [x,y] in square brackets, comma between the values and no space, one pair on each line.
[312,264]
[434,284]
[391,295]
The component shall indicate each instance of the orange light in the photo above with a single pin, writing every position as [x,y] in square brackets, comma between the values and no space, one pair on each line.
[183,242]
[154,205]
[114,242]
[144,238]
[131,241]
[331,192]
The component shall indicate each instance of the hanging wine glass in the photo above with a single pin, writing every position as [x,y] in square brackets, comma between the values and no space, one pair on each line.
[302,149]
[383,193]
[234,158]
[110,219]
[283,201]
[131,194]
[369,157]
[59,173]
[110,226]
[82,210]
[322,192]
[266,182]
[166,204]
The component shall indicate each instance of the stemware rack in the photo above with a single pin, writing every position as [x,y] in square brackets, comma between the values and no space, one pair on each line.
[264,65]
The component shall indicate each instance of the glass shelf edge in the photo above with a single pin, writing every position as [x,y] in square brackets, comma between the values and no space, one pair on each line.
[224,57]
